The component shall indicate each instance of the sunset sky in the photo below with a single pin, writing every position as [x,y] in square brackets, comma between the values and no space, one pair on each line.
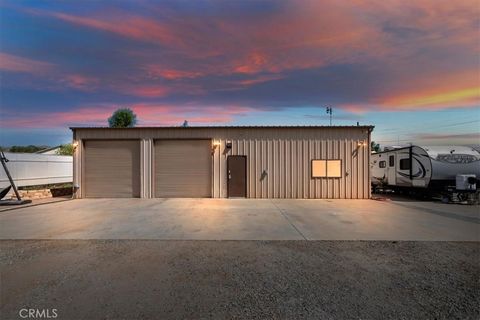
[411,68]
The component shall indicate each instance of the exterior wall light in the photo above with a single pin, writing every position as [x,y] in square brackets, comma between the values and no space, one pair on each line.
[215,144]
[75,145]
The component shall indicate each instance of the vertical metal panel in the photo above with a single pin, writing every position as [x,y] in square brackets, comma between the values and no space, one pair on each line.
[146,170]
[317,155]
[348,170]
[325,155]
[77,167]
[263,168]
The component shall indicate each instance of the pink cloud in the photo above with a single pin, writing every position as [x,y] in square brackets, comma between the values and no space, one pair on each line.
[373,34]
[81,82]
[260,79]
[170,74]
[14,63]
[130,26]
[160,114]
[147,115]
[148,91]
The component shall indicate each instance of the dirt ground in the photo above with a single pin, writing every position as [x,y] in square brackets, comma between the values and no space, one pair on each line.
[154,279]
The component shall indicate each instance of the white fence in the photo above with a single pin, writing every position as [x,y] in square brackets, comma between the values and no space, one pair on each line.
[28,169]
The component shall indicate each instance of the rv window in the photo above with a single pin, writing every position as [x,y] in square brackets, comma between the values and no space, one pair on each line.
[405,164]
[391,161]
[382,164]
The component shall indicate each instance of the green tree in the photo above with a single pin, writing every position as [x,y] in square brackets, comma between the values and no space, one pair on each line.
[122,118]
[65,150]
[375,146]
[26,149]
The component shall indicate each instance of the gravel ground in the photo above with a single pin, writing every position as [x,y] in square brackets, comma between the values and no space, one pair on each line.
[137,279]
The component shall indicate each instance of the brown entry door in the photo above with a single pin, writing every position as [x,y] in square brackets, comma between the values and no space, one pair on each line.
[237,176]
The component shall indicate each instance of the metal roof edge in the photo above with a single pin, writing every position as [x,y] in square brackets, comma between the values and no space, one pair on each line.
[228,127]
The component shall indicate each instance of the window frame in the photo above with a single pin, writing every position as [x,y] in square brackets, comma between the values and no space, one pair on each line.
[382,164]
[391,161]
[326,169]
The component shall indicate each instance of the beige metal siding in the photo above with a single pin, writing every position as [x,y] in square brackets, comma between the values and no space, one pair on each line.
[112,169]
[183,168]
[146,168]
[284,153]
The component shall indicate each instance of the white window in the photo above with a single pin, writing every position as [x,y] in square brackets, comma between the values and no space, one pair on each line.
[326,168]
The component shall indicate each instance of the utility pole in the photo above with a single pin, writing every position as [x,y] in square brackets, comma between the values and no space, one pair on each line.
[330,111]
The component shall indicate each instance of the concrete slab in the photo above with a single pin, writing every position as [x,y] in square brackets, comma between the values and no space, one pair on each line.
[382,220]
[242,219]
[36,202]
[197,219]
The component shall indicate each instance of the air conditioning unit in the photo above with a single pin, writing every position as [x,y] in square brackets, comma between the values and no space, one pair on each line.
[466,182]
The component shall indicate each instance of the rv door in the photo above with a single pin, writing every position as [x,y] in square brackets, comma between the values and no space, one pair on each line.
[404,169]
[391,180]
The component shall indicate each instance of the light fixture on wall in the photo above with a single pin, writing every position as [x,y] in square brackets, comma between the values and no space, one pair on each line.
[215,144]
[361,143]
[75,145]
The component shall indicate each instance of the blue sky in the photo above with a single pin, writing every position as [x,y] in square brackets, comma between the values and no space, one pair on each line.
[409,68]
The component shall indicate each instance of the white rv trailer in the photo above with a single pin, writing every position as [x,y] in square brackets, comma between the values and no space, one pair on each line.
[432,168]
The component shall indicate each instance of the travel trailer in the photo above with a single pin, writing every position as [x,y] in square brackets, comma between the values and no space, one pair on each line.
[430,169]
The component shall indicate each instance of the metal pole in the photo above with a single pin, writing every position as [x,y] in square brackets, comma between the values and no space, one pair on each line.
[4,164]
[330,111]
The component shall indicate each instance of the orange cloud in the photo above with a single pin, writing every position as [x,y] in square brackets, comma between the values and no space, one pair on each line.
[434,91]
[436,99]
[14,63]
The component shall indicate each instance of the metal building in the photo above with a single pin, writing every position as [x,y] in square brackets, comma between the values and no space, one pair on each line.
[316,162]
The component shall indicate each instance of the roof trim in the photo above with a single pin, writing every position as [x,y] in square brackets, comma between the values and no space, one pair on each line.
[48,149]
[395,149]
[228,127]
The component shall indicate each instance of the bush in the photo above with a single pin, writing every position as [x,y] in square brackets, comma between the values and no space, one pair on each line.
[65,150]
[26,149]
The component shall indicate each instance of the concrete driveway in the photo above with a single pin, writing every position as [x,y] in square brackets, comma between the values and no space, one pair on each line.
[242,219]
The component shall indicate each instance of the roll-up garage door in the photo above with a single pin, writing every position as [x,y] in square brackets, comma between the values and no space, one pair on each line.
[183,168]
[112,168]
